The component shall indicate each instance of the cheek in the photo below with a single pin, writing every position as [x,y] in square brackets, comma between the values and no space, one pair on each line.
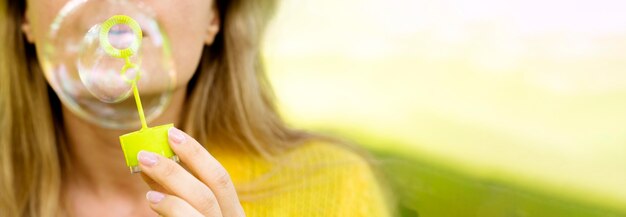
[186,24]
[187,46]
[40,14]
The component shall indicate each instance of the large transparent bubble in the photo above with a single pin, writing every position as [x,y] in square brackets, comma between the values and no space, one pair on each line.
[79,61]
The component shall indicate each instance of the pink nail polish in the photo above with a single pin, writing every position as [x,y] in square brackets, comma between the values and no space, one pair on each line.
[154,196]
[147,158]
[176,136]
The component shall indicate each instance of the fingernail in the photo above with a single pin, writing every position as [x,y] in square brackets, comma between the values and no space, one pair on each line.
[147,158]
[154,196]
[176,136]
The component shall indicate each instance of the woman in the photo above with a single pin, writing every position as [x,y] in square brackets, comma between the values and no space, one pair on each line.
[53,163]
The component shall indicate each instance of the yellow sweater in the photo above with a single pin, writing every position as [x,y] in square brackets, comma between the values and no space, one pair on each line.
[315,179]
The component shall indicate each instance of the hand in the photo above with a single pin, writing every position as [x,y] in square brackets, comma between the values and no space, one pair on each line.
[205,190]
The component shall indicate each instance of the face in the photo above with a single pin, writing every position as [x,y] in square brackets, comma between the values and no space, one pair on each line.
[190,25]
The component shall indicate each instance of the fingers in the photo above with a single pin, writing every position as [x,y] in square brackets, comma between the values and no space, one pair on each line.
[171,206]
[173,178]
[153,185]
[204,166]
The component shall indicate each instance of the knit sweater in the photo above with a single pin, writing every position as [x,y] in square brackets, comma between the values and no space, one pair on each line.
[315,179]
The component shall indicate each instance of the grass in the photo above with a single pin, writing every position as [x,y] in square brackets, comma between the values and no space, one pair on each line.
[425,189]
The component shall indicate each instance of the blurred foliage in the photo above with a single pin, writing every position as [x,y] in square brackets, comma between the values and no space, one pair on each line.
[425,187]
[474,107]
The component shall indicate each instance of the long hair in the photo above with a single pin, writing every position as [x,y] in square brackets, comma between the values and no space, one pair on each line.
[229,101]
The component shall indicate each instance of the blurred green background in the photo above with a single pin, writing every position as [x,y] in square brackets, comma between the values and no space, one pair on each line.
[473,108]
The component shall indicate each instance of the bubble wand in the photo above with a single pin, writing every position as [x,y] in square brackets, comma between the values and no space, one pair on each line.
[152,139]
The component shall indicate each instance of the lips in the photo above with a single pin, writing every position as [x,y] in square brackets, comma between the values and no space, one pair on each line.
[121,36]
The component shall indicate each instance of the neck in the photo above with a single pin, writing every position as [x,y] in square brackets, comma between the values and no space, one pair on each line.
[96,158]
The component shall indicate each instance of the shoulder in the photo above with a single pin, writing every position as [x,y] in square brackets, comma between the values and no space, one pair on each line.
[343,174]
[316,178]
[324,152]
[330,159]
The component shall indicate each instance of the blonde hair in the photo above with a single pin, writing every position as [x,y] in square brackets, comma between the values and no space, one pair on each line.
[229,101]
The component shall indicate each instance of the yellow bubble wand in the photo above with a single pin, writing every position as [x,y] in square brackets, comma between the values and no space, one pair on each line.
[152,139]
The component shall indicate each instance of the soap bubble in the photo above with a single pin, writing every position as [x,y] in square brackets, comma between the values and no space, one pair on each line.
[94,51]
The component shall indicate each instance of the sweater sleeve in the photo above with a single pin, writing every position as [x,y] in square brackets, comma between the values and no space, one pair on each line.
[361,194]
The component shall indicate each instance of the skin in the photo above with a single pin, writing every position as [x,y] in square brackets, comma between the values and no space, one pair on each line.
[99,183]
